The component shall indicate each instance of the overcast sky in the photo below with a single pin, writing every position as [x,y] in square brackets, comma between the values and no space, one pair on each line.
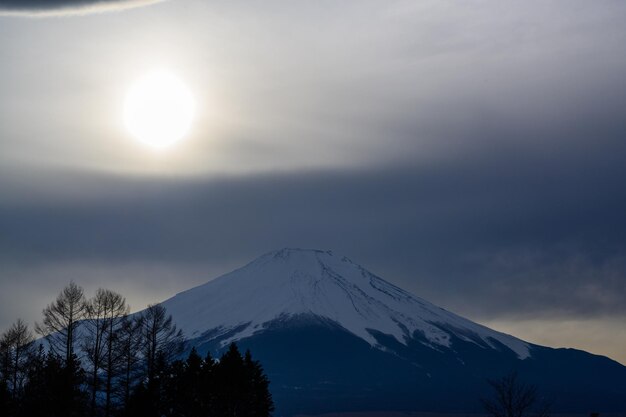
[472,153]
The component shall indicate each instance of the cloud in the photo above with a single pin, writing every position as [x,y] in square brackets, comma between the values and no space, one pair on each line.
[66,7]
[518,235]
[470,153]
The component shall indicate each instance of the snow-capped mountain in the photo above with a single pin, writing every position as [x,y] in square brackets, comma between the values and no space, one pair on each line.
[292,282]
[334,337]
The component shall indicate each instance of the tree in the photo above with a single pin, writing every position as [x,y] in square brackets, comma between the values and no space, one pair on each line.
[54,388]
[208,383]
[16,346]
[5,360]
[235,386]
[140,403]
[241,386]
[231,384]
[115,313]
[104,314]
[261,403]
[5,399]
[185,391]
[60,321]
[128,345]
[93,343]
[513,398]
[160,337]
[133,363]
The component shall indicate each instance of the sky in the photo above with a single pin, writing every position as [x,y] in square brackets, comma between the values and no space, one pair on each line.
[469,152]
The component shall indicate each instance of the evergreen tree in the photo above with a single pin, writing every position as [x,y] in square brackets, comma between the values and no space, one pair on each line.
[207,386]
[235,386]
[71,394]
[141,403]
[175,394]
[192,381]
[150,398]
[230,383]
[189,386]
[130,365]
[33,402]
[261,403]
[54,388]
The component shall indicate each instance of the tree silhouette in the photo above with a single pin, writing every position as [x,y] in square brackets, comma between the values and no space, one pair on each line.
[261,403]
[131,366]
[93,342]
[54,388]
[5,398]
[16,346]
[230,373]
[128,345]
[184,387]
[235,386]
[104,316]
[161,338]
[513,398]
[60,320]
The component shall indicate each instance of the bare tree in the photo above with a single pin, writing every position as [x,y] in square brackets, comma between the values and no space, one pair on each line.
[513,398]
[103,315]
[160,337]
[60,321]
[115,312]
[5,359]
[93,341]
[16,346]
[129,344]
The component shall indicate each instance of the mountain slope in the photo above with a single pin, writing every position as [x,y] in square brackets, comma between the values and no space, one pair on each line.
[291,282]
[334,337]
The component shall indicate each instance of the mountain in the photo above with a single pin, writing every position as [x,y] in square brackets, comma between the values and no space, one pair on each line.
[332,336]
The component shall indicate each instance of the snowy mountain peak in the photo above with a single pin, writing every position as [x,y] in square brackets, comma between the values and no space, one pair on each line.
[293,282]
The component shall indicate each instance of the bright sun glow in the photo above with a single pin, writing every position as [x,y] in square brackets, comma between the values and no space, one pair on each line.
[158,109]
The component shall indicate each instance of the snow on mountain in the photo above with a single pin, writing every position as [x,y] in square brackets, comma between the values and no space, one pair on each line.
[292,282]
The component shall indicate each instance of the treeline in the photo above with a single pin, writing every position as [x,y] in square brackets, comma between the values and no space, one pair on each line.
[94,360]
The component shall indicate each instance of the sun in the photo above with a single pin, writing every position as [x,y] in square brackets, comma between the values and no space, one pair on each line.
[159,109]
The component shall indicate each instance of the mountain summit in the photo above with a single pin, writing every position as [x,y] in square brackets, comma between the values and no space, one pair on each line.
[292,282]
[335,337]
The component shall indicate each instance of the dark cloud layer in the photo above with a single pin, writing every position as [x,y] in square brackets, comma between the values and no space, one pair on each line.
[525,233]
[66,6]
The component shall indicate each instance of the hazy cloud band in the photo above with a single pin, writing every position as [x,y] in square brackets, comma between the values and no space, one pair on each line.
[41,8]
